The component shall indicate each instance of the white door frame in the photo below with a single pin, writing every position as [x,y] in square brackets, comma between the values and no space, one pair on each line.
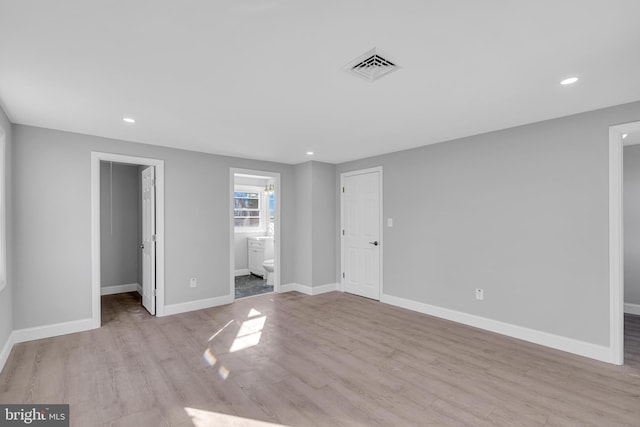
[96,158]
[616,239]
[276,234]
[342,220]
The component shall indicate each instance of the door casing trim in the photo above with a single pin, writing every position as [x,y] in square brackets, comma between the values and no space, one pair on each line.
[96,158]
[277,274]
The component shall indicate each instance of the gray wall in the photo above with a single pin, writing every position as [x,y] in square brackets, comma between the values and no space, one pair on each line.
[6,306]
[56,166]
[315,192]
[303,227]
[324,225]
[119,224]
[521,213]
[632,224]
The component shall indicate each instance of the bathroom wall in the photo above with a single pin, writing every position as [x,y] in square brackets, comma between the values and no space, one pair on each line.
[632,225]
[119,228]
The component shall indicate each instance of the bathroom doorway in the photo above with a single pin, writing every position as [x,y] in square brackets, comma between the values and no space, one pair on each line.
[255,230]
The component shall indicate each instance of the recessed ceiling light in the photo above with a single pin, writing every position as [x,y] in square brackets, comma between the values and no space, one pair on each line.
[309,153]
[569,81]
[129,120]
[624,135]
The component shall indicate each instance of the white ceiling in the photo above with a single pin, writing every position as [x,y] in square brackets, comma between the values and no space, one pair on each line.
[632,138]
[263,79]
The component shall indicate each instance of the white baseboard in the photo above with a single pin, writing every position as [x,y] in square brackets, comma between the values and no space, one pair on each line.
[308,290]
[139,288]
[632,308]
[558,342]
[39,332]
[323,289]
[197,305]
[6,351]
[289,287]
[242,272]
[118,289]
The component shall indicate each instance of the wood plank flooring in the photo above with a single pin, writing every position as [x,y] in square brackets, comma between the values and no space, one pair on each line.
[328,360]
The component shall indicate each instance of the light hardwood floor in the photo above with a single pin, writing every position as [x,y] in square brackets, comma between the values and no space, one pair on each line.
[328,360]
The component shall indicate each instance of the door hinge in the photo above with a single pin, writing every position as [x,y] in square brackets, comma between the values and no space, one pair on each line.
[343,275]
[153,238]
[343,232]
[153,182]
[343,189]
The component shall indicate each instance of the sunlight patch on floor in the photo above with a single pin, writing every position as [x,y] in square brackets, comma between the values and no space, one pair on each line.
[201,418]
[248,336]
[220,330]
[249,333]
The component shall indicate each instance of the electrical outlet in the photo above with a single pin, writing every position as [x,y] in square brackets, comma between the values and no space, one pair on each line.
[193,282]
[480,294]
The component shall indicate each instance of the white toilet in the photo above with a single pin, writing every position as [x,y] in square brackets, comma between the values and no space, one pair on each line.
[268,268]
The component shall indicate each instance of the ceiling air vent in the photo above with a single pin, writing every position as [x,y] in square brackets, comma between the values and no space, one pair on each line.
[371,66]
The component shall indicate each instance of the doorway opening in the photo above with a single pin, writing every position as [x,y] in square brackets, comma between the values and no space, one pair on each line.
[127,221]
[624,243]
[255,232]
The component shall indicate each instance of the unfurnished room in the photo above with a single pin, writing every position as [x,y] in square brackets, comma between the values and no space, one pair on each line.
[332,213]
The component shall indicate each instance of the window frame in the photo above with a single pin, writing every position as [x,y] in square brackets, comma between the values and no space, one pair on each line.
[263,209]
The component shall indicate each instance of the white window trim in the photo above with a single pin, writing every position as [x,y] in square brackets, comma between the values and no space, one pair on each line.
[264,209]
[3,212]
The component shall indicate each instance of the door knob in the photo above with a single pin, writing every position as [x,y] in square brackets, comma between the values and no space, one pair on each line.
[142,246]
[374,243]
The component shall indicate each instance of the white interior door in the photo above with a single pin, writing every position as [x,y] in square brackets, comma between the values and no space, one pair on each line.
[148,240]
[361,221]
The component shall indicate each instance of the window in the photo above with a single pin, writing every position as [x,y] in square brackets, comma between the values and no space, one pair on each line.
[253,209]
[246,209]
[3,236]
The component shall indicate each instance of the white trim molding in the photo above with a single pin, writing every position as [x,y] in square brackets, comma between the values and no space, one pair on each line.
[632,308]
[277,225]
[558,342]
[119,289]
[200,304]
[6,351]
[40,332]
[3,211]
[96,158]
[309,290]
[48,331]
[616,240]
[242,272]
